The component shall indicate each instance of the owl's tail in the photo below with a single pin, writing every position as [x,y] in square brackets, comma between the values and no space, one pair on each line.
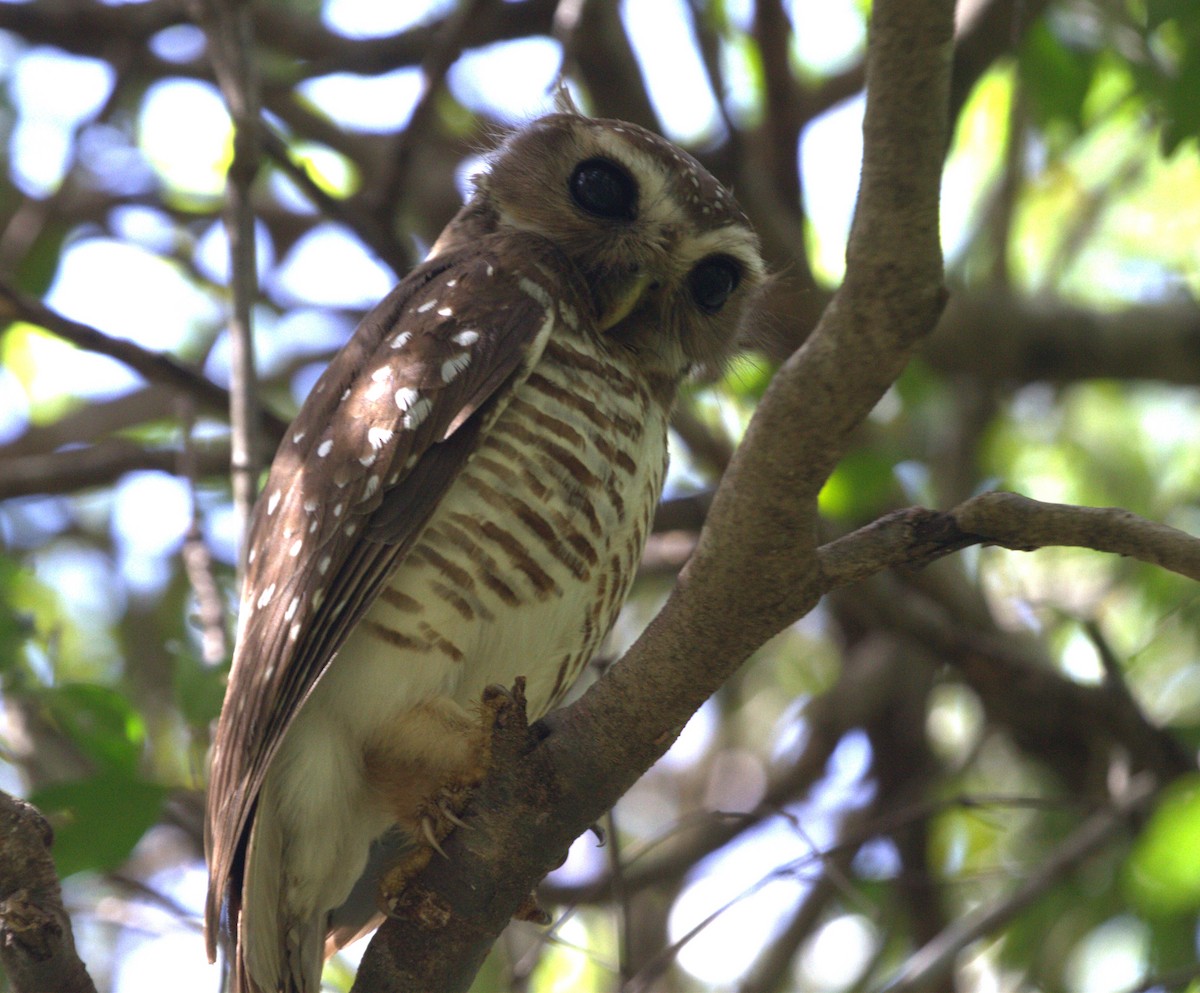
[275,950]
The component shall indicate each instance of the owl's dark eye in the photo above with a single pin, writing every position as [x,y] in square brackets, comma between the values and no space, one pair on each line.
[712,280]
[604,189]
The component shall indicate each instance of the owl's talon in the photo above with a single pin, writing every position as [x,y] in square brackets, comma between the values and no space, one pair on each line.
[431,838]
[452,817]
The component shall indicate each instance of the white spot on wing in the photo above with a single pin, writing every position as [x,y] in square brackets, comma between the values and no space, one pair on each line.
[291,611]
[311,504]
[445,312]
[297,437]
[368,460]
[338,508]
[382,374]
[296,546]
[273,502]
[452,367]
[265,597]
[378,437]
[402,339]
[325,447]
[371,488]
[416,414]
[426,306]
[375,391]
[323,565]
[406,396]
[466,338]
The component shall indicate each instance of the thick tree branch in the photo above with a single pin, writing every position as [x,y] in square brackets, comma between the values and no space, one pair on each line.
[1001,337]
[37,948]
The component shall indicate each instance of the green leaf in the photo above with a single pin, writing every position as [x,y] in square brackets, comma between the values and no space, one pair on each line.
[15,625]
[199,689]
[98,719]
[1056,78]
[39,265]
[1159,11]
[1163,872]
[98,821]
[861,486]
[1180,102]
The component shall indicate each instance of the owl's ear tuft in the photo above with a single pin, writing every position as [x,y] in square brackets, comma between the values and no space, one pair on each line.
[564,103]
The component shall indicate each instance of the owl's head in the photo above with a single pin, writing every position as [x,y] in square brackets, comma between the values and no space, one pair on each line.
[668,257]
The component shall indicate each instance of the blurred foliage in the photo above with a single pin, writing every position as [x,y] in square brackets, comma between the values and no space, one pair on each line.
[911,762]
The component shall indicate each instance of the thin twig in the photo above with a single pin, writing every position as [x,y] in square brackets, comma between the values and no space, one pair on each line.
[197,559]
[930,963]
[230,31]
[371,230]
[1023,524]
[915,536]
[440,56]
[708,44]
[616,868]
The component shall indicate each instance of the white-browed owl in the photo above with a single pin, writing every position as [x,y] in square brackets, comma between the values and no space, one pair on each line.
[463,499]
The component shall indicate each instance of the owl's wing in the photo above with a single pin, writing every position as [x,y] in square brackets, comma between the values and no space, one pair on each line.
[363,466]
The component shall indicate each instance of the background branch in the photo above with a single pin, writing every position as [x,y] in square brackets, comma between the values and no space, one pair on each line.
[155,368]
[933,962]
[230,30]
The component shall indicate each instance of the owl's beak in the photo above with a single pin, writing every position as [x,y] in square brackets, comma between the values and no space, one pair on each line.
[623,304]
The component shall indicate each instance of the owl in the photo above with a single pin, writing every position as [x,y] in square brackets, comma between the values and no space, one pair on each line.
[462,500]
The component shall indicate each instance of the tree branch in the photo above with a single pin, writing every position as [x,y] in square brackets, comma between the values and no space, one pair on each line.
[37,948]
[1022,524]
[916,536]
[1001,337]
[78,469]
[230,32]
[936,959]
[153,366]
